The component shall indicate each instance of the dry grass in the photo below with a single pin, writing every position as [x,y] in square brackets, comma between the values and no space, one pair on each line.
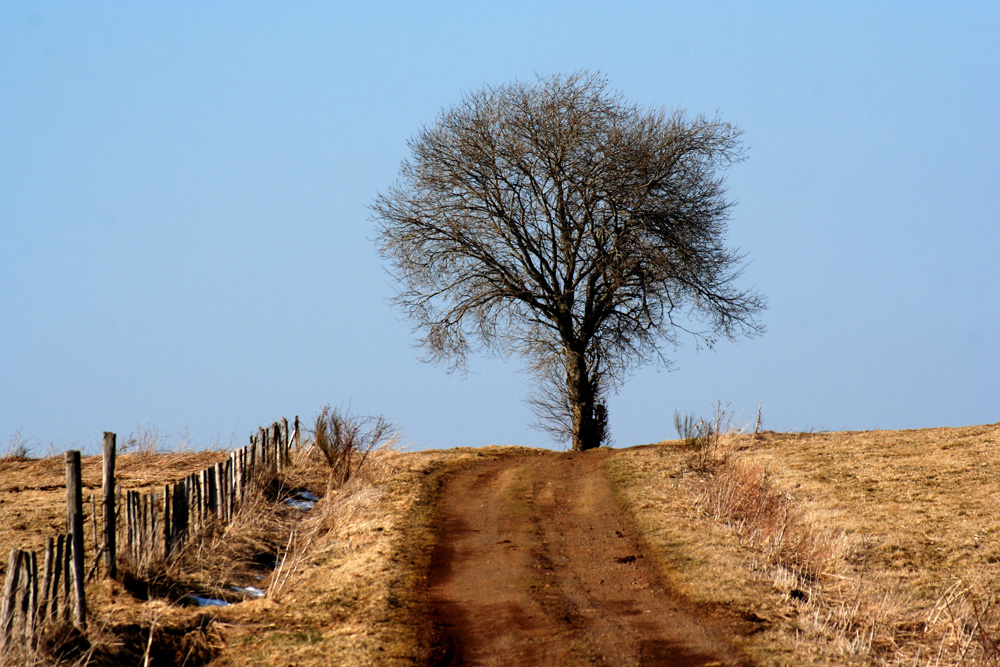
[741,493]
[888,544]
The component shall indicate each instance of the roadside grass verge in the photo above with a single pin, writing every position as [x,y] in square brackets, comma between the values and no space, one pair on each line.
[875,548]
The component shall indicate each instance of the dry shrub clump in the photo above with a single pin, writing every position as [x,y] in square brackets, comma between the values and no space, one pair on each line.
[346,440]
[711,439]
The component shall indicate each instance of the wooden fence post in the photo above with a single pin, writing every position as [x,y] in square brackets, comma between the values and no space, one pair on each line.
[57,571]
[234,464]
[197,500]
[31,601]
[179,515]
[67,577]
[46,599]
[167,525]
[285,441]
[74,516]
[97,539]
[279,461]
[250,453]
[220,491]
[110,523]
[8,605]
[230,482]
[131,525]
[150,531]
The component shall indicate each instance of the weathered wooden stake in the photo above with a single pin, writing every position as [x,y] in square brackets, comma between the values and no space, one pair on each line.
[231,509]
[74,516]
[285,440]
[131,538]
[213,491]
[57,571]
[253,457]
[67,577]
[93,521]
[46,599]
[31,595]
[151,534]
[265,454]
[110,523]
[279,459]
[179,514]
[9,603]
[220,491]
[167,525]
[197,500]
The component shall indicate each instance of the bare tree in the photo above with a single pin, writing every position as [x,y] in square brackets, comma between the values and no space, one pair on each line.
[556,221]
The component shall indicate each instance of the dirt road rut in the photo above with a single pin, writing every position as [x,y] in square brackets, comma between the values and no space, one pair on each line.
[537,566]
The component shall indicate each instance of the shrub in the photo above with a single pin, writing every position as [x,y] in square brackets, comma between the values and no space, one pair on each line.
[346,440]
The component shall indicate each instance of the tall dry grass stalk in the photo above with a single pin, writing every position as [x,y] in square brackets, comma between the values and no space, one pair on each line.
[965,625]
[346,507]
[18,448]
[852,617]
[802,558]
[218,554]
[741,493]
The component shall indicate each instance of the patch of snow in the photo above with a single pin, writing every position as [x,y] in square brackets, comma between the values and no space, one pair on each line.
[208,602]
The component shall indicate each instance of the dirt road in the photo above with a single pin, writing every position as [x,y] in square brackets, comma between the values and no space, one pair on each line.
[537,566]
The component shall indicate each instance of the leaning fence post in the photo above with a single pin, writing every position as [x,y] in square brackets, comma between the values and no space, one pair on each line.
[9,602]
[74,516]
[110,527]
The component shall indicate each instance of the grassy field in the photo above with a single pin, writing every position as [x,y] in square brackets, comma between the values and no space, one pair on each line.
[875,548]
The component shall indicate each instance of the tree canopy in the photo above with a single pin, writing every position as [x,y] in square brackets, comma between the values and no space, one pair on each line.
[556,221]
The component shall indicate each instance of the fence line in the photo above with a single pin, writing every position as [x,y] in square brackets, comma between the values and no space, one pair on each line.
[147,526]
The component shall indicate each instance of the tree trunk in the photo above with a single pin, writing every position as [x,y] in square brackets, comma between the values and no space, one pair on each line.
[588,432]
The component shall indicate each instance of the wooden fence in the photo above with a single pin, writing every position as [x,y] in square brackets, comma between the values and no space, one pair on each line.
[148,527]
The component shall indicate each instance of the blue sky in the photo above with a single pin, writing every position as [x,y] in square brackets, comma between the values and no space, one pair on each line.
[186,245]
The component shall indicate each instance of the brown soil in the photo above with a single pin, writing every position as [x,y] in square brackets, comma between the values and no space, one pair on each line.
[537,565]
